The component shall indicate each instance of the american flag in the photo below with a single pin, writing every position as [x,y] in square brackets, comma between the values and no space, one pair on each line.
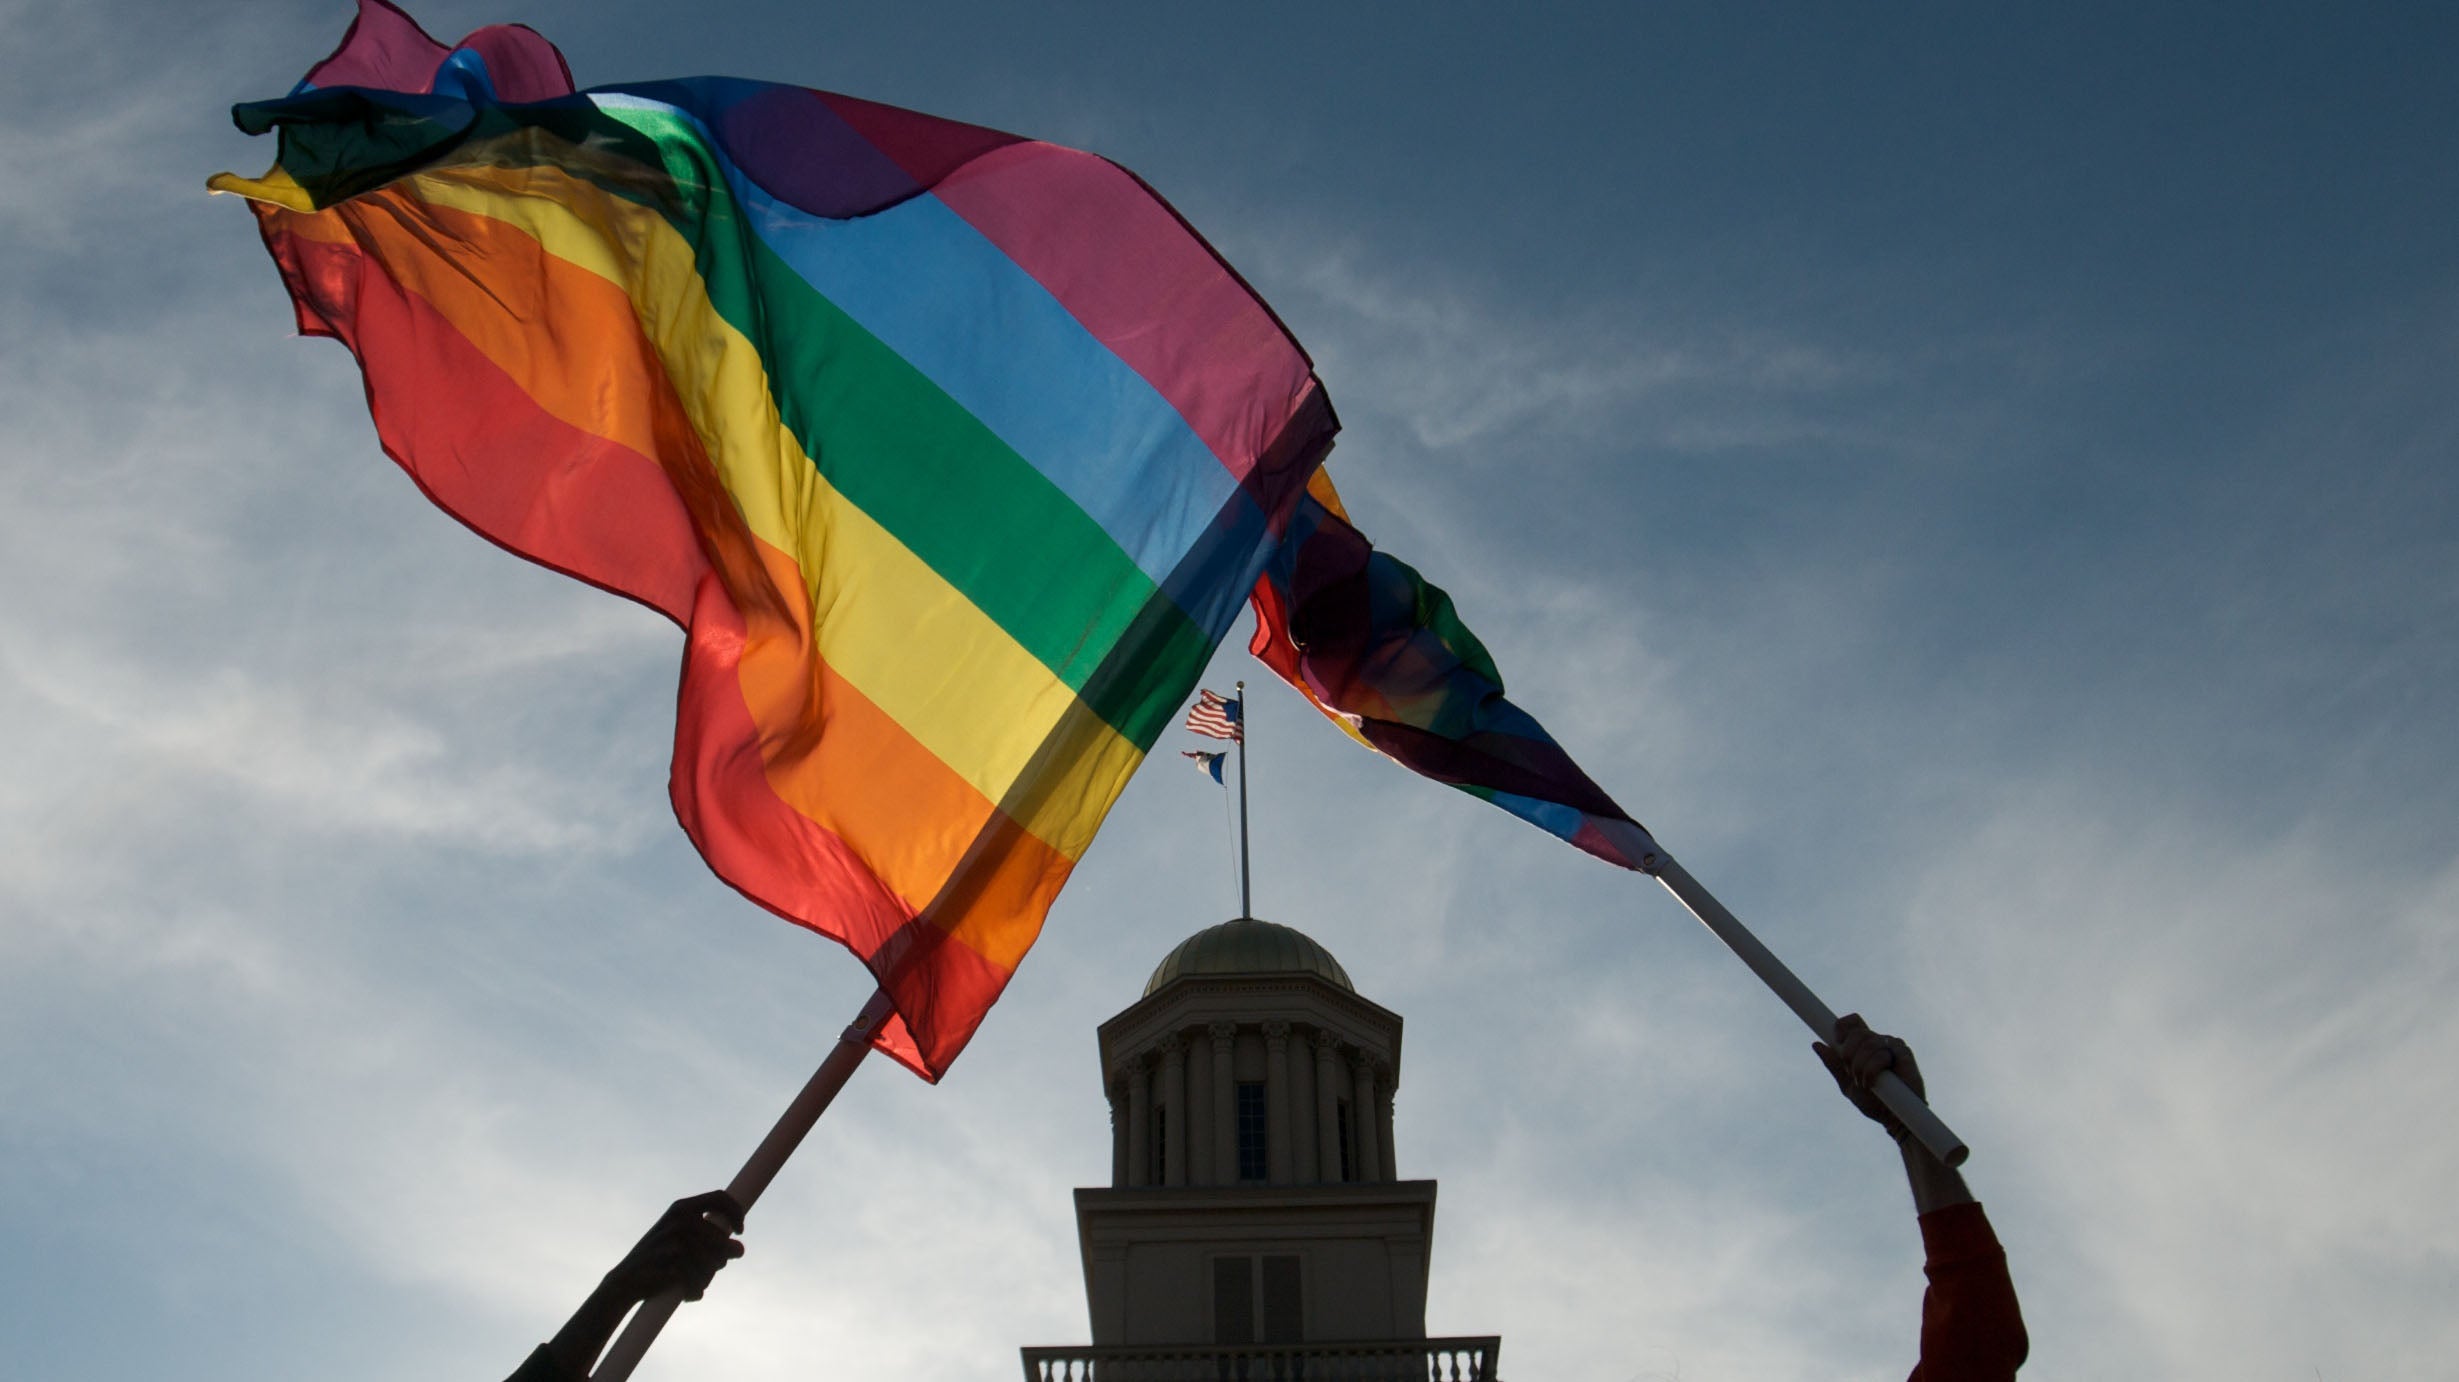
[1216,717]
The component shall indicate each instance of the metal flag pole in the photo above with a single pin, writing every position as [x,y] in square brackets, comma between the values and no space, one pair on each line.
[762,1167]
[1246,887]
[1892,1091]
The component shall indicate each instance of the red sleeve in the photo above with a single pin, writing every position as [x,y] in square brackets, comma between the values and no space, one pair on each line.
[1971,1329]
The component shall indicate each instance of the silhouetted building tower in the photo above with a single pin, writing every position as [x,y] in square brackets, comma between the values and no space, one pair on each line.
[1255,1225]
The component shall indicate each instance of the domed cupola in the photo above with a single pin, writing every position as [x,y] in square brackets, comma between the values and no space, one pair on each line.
[1251,1060]
[1255,1204]
[1255,1223]
[1248,946]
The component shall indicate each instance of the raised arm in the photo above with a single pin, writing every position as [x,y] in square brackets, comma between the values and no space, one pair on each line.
[1971,1327]
[684,1248]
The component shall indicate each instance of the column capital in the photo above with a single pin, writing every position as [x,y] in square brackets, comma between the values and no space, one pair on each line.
[1276,1034]
[1328,1046]
[1223,1033]
[1170,1045]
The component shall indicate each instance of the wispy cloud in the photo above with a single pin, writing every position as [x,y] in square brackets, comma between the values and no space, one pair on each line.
[2230,1078]
[2068,692]
[1456,366]
[104,120]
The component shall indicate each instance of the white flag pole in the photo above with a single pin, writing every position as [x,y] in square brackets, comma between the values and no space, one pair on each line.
[762,1167]
[1893,1092]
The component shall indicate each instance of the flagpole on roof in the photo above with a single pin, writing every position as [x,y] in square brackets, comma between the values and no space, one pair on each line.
[1246,893]
[761,1168]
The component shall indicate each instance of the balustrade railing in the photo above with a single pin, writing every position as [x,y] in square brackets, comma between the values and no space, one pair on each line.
[1383,1360]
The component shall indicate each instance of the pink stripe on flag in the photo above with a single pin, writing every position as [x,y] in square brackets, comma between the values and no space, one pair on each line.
[1183,320]
[386,49]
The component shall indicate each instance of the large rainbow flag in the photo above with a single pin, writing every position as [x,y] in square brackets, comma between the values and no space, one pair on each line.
[953,453]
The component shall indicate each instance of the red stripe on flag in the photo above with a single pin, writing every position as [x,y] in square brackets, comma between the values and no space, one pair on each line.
[433,393]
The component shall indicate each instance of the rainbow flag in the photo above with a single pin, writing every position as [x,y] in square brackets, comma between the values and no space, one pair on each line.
[953,453]
[1382,653]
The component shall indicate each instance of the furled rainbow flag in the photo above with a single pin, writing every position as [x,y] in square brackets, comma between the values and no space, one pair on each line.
[953,453]
[1382,653]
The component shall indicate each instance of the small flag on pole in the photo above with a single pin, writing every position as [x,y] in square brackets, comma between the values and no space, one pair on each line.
[1210,763]
[1217,717]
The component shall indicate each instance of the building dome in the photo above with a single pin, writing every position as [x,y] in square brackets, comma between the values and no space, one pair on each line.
[1248,946]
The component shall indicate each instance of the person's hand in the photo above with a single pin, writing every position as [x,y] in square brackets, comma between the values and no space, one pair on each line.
[1858,1058]
[682,1250]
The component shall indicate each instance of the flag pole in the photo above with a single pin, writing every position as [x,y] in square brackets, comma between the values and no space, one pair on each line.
[1891,1091]
[1246,890]
[761,1168]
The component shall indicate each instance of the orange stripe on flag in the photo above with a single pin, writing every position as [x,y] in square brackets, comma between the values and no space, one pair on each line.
[831,754]
[446,399]
[596,372]
[839,759]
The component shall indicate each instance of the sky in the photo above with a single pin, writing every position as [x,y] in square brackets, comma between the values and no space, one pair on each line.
[1975,480]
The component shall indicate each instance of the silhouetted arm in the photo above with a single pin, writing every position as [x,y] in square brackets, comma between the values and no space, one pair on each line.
[1971,1328]
[684,1248]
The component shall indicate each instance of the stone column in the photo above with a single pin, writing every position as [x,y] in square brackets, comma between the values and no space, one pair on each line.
[1363,1116]
[1387,1085]
[1276,1100]
[1199,1111]
[1327,1107]
[1224,1103]
[1302,1116]
[1117,1093]
[1140,1120]
[1174,1120]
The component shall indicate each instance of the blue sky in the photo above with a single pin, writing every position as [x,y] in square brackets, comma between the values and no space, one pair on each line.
[1976,483]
